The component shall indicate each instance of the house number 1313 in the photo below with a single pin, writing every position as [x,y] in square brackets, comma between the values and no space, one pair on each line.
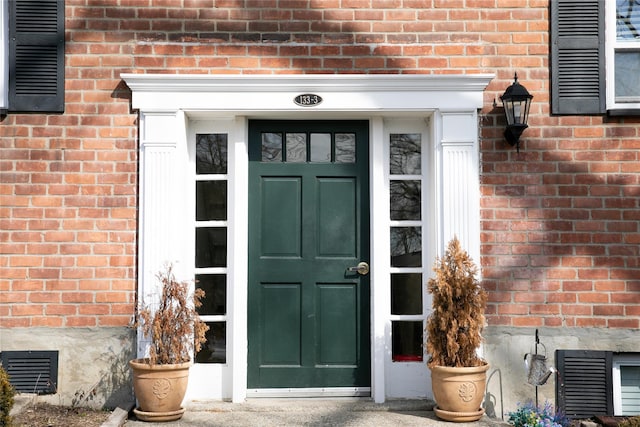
[307,100]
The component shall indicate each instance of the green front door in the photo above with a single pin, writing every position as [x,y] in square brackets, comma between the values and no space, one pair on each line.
[308,224]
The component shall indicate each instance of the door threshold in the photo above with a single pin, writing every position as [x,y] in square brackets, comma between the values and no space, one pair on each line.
[310,392]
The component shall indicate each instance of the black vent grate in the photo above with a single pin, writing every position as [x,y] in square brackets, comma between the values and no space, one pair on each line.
[584,386]
[32,371]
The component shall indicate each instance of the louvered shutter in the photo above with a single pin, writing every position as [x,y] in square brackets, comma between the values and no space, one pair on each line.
[584,386]
[577,57]
[36,56]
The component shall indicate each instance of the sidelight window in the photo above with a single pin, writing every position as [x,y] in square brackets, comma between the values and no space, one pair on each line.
[211,242]
[406,234]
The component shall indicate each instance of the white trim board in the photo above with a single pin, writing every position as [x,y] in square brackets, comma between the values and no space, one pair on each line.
[309,392]
[364,93]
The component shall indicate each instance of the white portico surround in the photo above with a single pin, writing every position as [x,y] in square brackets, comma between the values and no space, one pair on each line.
[173,107]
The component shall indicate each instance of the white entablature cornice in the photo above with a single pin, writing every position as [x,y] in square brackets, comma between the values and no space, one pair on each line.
[340,92]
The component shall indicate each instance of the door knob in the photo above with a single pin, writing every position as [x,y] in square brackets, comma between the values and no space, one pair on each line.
[362,269]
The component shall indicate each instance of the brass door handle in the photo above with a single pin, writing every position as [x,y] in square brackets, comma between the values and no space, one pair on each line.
[362,269]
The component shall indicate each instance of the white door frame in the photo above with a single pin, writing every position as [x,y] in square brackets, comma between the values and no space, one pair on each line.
[167,105]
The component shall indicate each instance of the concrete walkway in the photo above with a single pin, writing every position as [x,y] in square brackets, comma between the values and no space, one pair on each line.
[311,412]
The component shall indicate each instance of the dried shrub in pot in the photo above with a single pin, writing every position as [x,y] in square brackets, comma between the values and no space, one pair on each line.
[174,327]
[454,328]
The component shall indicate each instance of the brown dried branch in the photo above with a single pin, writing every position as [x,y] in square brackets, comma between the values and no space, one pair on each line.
[175,328]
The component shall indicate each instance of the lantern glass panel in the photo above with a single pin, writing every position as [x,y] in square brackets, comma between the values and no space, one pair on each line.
[519,108]
[525,116]
[508,110]
[516,110]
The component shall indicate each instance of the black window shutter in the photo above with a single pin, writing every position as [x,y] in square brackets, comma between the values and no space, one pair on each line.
[577,57]
[36,56]
[584,387]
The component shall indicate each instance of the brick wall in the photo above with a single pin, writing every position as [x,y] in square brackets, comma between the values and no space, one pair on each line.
[560,236]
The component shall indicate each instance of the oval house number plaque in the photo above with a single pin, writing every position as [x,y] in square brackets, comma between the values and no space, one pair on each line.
[307,100]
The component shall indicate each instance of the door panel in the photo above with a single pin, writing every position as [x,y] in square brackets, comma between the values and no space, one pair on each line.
[281,217]
[308,317]
[281,319]
[337,222]
[338,324]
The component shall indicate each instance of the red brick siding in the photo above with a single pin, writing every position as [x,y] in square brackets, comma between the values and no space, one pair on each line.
[560,234]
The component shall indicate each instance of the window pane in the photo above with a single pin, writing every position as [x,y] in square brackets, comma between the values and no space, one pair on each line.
[406,293]
[296,147]
[628,19]
[211,200]
[320,147]
[405,153]
[211,247]
[630,389]
[215,349]
[405,200]
[271,147]
[406,246]
[211,153]
[215,298]
[627,65]
[345,148]
[406,341]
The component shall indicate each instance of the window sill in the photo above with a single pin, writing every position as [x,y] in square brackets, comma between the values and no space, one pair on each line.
[624,112]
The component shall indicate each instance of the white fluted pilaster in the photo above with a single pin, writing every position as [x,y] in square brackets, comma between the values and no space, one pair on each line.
[159,202]
[459,189]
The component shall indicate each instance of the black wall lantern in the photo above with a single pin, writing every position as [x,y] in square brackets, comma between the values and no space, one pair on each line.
[516,101]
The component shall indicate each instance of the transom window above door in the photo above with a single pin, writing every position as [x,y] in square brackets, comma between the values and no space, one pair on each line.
[303,147]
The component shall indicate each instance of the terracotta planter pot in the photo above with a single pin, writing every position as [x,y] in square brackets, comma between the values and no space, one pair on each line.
[159,389]
[459,392]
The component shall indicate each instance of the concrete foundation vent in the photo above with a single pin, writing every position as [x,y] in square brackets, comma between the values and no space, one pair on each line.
[32,371]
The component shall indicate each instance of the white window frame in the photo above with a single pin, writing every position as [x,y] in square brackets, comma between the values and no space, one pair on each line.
[215,379]
[415,380]
[612,45]
[4,58]
[618,361]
